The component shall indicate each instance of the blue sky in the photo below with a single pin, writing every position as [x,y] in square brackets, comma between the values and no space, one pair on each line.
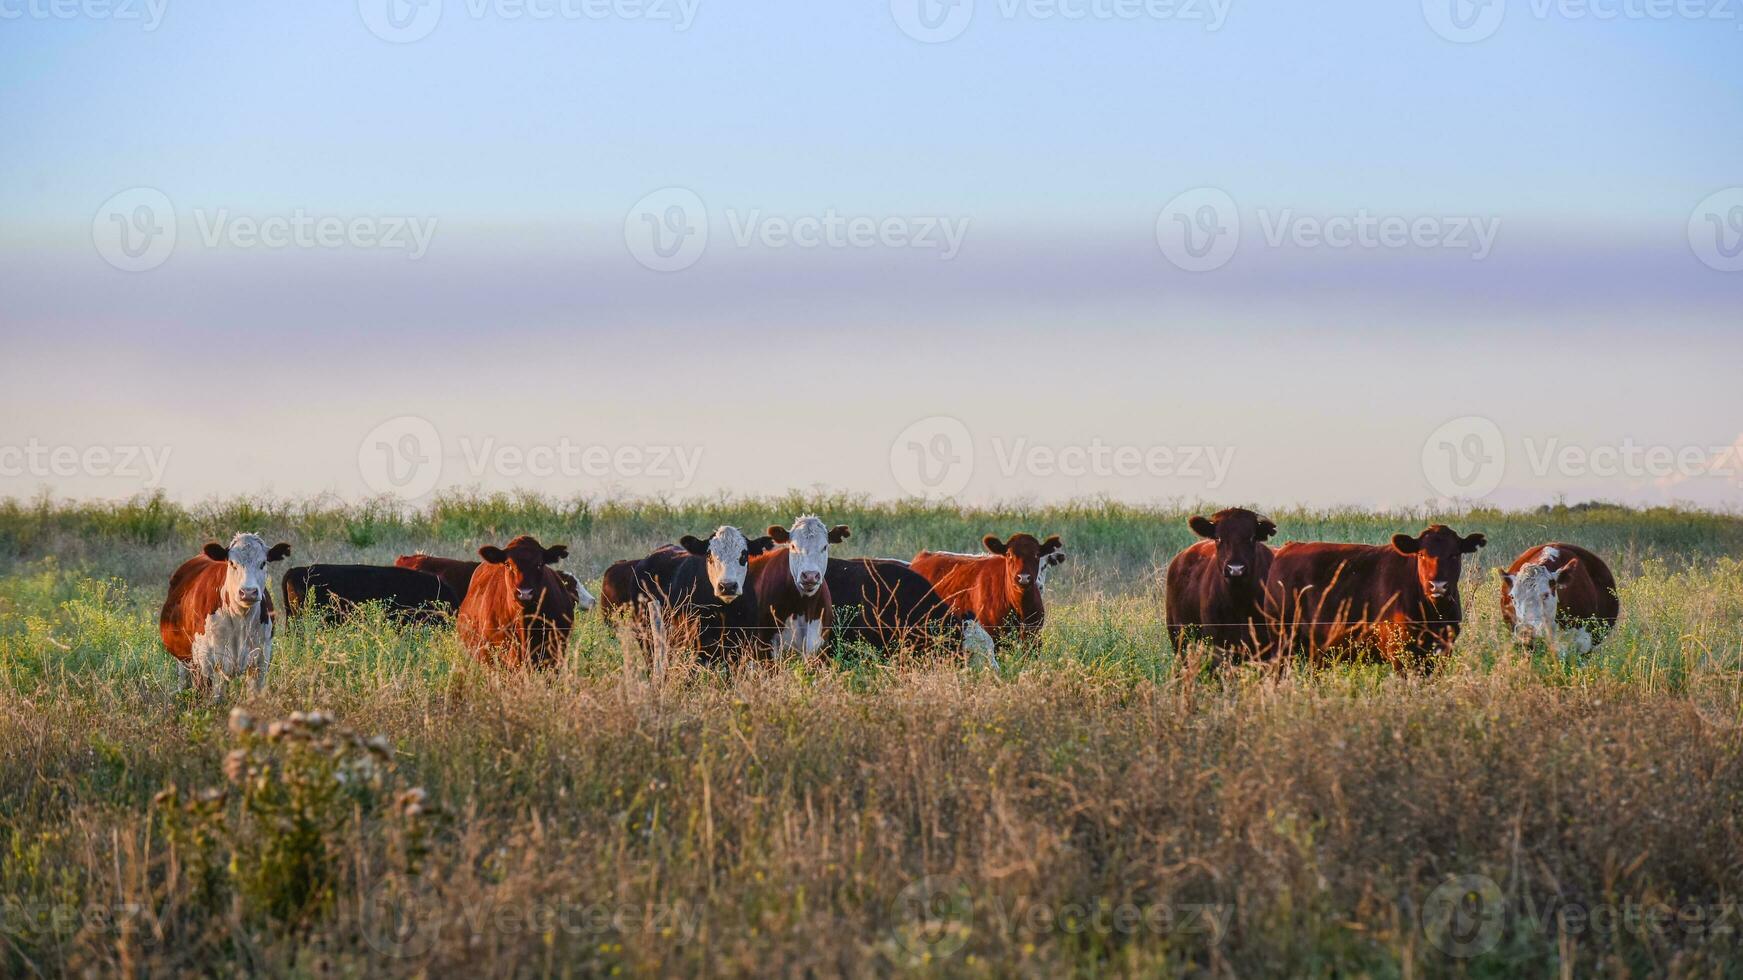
[1586,142]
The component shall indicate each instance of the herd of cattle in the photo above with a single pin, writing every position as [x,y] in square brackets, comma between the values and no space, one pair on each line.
[729,596]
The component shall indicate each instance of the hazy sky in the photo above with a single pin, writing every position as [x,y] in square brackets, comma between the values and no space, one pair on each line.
[1277,253]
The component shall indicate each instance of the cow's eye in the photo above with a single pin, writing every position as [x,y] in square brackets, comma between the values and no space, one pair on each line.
[744,558]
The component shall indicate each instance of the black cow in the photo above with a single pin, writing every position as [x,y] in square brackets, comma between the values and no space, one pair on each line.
[338,589]
[885,604]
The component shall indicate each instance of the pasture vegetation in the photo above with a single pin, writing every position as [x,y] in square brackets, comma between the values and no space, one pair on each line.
[1102,804]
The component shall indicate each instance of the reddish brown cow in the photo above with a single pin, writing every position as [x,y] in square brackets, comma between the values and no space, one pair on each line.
[1562,594]
[794,607]
[1401,599]
[1002,590]
[217,618]
[1215,587]
[517,611]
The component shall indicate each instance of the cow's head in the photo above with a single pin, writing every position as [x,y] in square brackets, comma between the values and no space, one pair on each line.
[1027,560]
[245,579]
[1535,595]
[1439,554]
[525,559]
[728,553]
[1237,534]
[808,542]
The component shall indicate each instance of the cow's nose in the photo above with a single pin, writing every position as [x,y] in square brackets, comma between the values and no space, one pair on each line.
[728,588]
[524,595]
[248,595]
[1438,588]
[810,579]
[1024,579]
[1236,571]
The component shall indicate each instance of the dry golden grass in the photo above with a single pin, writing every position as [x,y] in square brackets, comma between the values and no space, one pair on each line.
[1098,806]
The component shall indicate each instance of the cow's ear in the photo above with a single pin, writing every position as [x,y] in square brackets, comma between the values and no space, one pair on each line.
[993,544]
[492,554]
[779,534]
[216,551]
[756,546]
[1051,545]
[693,544]
[1265,529]
[839,533]
[1472,542]
[1404,544]
[279,551]
[1558,578]
[556,553]
[1204,527]
[1506,576]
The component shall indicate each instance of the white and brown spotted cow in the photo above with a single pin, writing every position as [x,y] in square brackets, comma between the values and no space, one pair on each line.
[217,618]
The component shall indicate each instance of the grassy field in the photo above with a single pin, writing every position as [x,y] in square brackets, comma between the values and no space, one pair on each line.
[1099,805]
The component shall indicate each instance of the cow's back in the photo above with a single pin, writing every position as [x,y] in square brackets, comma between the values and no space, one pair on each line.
[195,593]
[456,573]
[1322,594]
[968,584]
[883,601]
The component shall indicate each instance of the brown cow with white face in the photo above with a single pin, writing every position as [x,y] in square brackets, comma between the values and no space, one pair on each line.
[517,611]
[1002,589]
[1561,594]
[217,618]
[794,607]
[1401,599]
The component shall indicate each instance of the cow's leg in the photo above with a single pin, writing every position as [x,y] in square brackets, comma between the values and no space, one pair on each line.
[184,676]
[262,661]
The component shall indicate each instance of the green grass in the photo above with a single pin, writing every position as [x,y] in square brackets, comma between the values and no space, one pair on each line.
[1099,805]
